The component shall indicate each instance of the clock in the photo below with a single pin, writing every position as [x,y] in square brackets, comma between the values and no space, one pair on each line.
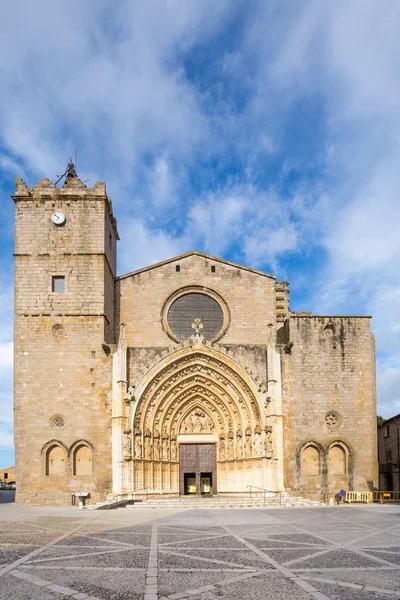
[58,218]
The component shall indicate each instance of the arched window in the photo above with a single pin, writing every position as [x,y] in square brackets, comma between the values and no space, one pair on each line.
[55,461]
[82,460]
[337,464]
[310,461]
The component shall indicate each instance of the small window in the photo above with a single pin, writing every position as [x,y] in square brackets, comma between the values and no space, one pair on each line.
[387,430]
[213,269]
[58,284]
[177,268]
[5,475]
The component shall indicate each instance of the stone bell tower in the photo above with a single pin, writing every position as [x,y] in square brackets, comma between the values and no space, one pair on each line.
[65,261]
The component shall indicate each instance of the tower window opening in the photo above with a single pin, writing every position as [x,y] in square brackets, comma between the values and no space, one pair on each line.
[213,269]
[177,268]
[58,284]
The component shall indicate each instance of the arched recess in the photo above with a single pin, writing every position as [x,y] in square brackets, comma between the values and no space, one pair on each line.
[310,459]
[81,454]
[311,467]
[337,460]
[55,458]
[196,379]
[196,390]
[339,466]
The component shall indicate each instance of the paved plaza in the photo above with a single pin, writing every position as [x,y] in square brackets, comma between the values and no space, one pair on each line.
[50,553]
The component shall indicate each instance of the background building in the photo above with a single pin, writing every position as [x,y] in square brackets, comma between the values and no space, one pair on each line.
[389,454]
[7,474]
[191,375]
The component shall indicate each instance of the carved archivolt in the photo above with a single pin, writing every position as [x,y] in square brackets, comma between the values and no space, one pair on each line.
[197,390]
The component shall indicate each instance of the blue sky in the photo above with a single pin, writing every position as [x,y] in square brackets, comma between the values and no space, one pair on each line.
[265,132]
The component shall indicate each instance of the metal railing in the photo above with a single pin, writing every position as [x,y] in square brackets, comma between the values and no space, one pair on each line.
[359,497]
[264,493]
[131,493]
[383,496]
[351,497]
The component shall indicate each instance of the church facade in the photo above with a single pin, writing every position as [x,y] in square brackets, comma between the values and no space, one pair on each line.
[191,376]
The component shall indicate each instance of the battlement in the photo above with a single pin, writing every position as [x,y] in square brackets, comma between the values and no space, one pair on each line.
[73,189]
[45,187]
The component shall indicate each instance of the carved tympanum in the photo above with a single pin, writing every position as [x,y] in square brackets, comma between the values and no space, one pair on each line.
[197,421]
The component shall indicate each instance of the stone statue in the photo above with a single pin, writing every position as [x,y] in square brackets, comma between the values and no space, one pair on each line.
[197,422]
[208,424]
[268,441]
[174,450]
[156,444]
[138,445]
[239,446]
[222,450]
[257,445]
[165,447]
[230,447]
[127,449]
[247,446]
[147,444]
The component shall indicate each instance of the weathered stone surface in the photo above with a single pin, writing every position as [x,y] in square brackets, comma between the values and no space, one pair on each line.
[106,394]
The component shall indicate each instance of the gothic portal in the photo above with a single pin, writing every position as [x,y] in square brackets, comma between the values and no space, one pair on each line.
[190,376]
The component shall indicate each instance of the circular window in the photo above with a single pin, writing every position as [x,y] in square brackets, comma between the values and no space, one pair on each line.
[185,306]
[57,421]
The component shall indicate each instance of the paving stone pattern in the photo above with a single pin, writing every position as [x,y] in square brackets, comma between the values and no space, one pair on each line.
[346,552]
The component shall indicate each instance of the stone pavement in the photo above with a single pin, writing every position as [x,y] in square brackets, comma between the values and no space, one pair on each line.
[349,552]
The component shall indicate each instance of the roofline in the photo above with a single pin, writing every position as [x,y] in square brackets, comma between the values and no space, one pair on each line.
[192,253]
[394,418]
[293,314]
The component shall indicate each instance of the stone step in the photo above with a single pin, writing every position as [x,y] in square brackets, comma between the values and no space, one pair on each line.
[224,502]
[207,502]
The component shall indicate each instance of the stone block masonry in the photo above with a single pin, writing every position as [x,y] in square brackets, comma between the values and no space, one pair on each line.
[114,375]
[62,374]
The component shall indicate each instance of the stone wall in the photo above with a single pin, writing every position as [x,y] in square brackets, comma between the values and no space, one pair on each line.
[62,374]
[63,359]
[10,472]
[328,374]
[249,295]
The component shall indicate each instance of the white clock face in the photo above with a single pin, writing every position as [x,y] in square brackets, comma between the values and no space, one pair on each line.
[58,218]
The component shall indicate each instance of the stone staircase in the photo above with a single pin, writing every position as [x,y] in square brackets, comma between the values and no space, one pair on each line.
[191,502]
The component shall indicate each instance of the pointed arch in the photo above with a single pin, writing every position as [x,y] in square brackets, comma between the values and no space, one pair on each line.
[81,454]
[198,374]
[311,455]
[338,453]
[54,453]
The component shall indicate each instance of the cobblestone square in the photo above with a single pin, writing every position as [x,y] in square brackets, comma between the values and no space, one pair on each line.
[349,552]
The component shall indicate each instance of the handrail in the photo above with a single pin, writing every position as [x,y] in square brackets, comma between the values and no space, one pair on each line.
[145,489]
[266,491]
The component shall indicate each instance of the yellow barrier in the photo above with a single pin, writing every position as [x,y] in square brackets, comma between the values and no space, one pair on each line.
[359,497]
[386,496]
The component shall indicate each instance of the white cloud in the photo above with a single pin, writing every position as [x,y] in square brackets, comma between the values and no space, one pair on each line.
[6,437]
[6,355]
[113,83]
[147,246]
